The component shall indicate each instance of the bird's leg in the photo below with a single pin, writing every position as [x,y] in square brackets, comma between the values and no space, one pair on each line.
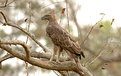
[58,54]
[52,57]
[53,53]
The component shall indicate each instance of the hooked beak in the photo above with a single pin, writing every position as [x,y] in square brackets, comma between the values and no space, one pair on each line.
[43,18]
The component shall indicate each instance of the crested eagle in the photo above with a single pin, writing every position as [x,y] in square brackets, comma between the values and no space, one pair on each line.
[61,38]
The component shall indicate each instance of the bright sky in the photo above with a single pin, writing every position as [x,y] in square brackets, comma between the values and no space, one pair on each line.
[89,13]
[91,9]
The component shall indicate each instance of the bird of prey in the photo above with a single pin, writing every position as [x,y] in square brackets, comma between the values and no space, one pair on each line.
[61,38]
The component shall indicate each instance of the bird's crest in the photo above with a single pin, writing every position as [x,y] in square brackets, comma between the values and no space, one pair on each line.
[51,17]
[52,13]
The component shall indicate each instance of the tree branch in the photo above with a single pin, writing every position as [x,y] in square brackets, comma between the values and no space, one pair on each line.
[36,55]
[7,56]
[24,31]
[105,59]
[6,4]
[63,66]
[75,20]
[18,42]
[34,60]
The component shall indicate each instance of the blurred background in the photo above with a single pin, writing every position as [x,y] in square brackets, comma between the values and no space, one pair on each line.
[95,24]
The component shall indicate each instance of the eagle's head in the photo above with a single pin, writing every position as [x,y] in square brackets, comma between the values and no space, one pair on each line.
[47,17]
[50,16]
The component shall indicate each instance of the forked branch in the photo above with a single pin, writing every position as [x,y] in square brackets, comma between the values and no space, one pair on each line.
[17,42]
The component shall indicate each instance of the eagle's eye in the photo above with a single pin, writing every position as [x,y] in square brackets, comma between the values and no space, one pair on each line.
[46,17]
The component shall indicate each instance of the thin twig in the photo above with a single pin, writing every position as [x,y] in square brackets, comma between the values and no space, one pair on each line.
[102,51]
[55,72]
[60,19]
[27,28]
[91,30]
[31,36]
[67,15]
[6,4]
[6,21]
[45,49]
[62,12]
[73,12]
[29,22]
[7,56]
[50,4]
[0,65]
[10,2]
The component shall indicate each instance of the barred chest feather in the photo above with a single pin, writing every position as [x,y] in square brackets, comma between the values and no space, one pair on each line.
[50,31]
[56,34]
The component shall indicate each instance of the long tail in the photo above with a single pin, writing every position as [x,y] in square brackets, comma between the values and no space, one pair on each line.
[78,62]
[77,59]
[81,54]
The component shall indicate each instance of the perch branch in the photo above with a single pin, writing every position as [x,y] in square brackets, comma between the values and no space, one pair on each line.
[63,66]
[37,62]
[36,55]
[47,56]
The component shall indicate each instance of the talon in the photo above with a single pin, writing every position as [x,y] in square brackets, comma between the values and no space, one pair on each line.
[57,61]
[50,60]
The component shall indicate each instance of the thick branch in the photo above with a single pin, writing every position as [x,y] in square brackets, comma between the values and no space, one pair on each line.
[18,42]
[62,59]
[63,66]
[48,56]
[36,55]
